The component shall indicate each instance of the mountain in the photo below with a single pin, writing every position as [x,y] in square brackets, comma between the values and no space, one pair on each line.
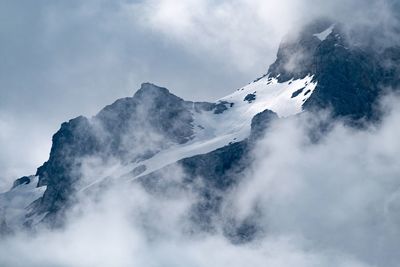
[143,138]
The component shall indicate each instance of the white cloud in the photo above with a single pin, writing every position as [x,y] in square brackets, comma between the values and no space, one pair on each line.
[331,203]
[128,227]
[340,194]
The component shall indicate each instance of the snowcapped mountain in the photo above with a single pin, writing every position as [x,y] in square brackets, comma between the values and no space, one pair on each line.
[141,138]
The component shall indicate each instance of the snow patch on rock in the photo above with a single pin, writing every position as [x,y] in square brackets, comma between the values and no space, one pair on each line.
[323,35]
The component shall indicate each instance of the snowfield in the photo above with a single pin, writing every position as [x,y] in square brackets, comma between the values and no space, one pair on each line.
[213,131]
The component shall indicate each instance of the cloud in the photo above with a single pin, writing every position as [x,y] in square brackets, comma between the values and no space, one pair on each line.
[126,226]
[340,194]
[246,34]
[330,203]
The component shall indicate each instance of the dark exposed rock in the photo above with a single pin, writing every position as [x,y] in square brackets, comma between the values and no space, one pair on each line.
[222,106]
[152,107]
[21,181]
[349,78]
[74,140]
[298,92]
[348,82]
[260,123]
[250,98]
[295,55]
[152,116]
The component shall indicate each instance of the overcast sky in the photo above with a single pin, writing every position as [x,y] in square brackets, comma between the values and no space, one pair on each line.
[61,59]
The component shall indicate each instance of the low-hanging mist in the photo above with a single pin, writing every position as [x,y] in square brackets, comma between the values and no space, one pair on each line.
[331,202]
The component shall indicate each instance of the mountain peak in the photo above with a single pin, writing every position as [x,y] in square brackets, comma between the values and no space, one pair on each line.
[151,90]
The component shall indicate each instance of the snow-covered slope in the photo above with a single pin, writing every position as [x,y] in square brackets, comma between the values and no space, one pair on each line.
[213,131]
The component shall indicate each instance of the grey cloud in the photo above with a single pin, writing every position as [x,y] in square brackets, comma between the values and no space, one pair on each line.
[126,226]
[339,195]
[332,203]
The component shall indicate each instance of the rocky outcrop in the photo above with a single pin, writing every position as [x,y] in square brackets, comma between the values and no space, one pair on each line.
[153,116]
[350,77]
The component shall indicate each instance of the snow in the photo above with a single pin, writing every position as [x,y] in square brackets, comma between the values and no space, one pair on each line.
[323,35]
[213,131]
[14,204]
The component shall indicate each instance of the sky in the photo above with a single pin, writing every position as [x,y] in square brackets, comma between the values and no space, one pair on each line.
[61,59]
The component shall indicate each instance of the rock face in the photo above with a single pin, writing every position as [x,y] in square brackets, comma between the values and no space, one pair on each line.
[21,181]
[260,124]
[153,116]
[296,55]
[349,79]
[152,107]
[74,140]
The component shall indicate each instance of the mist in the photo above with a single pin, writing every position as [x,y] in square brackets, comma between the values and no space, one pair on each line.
[340,194]
[334,202]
